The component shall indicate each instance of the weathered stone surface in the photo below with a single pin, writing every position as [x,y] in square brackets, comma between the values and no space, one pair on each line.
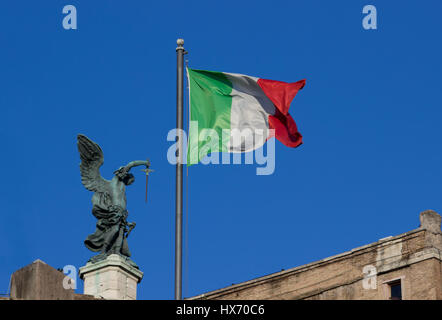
[39,281]
[112,278]
[431,221]
[414,257]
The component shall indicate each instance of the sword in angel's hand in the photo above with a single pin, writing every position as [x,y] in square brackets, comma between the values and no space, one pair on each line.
[147,170]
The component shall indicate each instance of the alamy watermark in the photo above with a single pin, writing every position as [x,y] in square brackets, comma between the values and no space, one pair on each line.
[208,146]
[70,280]
[370,21]
[369,282]
[70,20]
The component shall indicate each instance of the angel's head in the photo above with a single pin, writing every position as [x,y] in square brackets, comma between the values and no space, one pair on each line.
[124,176]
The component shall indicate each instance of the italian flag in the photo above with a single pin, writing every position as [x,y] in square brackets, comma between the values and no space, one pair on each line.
[242,105]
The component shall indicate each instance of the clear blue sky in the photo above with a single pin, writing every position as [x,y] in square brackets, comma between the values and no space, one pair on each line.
[370,115]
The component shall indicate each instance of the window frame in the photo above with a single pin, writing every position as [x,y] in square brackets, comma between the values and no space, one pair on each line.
[387,287]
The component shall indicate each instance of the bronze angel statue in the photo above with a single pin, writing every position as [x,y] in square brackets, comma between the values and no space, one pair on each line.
[109,201]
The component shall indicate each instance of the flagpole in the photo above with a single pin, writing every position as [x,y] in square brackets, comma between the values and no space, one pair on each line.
[179,173]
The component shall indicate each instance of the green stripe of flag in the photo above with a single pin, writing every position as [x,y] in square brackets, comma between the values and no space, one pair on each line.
[210,106]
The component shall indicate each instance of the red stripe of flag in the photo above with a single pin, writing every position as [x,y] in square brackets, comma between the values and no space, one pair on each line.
[282,94]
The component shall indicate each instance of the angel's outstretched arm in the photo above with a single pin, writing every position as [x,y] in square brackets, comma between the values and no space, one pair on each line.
[137,163]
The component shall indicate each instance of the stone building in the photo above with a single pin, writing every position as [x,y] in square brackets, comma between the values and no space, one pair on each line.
[406,266]
[111,279]
[40,281]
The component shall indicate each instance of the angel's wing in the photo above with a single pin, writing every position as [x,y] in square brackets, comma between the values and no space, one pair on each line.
[91,160]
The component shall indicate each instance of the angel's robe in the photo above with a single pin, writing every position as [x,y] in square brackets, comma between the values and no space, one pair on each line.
[108,227]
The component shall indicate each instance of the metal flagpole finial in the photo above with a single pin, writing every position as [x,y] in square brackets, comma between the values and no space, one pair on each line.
[180,43]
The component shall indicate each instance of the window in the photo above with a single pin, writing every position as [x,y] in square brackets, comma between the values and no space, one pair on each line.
[395,290]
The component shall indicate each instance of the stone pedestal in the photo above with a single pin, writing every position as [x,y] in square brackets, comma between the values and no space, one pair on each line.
[112,278]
